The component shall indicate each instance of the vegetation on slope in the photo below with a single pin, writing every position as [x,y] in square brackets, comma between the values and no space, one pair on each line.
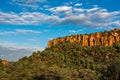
[65,61]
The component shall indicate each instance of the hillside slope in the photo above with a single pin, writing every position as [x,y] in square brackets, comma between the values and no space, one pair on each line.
[66,61]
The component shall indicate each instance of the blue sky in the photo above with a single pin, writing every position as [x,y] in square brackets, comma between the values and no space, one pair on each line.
[27,25]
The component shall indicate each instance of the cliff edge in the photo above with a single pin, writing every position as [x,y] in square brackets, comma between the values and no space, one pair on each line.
[94,39]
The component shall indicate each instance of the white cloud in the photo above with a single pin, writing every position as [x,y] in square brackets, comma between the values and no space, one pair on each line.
[94,17]
[11,51]
[117,23]
[23,31]
[26,18]
[60,15]
[15,53]
[79,10]
[11,18]
[60,9]
[92,9]
[68,3]
[34,4]
[20,31]
[76,31]
[72,31]
[78,4]
[6,33]
[74,20]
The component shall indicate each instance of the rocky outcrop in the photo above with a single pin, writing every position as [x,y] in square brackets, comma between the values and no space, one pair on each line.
[98,39]
[4,62]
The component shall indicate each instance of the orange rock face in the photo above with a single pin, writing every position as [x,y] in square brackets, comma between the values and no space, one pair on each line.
[4,62]
[98,39]
[85,41]
[111,40]
[91,40]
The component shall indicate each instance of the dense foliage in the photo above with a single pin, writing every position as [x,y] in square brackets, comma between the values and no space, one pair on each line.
[65,61]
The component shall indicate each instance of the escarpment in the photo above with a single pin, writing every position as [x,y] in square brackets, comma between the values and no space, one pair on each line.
[94,39]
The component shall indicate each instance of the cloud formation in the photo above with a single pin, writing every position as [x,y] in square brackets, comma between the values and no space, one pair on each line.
[65,15]
[34,4]
[78,4]
[76,31]
[20,31]
[60,9]
[26,18]
[94,17]
[15,53]
[23,31]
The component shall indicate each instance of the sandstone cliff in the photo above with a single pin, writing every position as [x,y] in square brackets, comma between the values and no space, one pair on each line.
[98,39]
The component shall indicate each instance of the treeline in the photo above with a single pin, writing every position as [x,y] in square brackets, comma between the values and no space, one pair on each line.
[65,61]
